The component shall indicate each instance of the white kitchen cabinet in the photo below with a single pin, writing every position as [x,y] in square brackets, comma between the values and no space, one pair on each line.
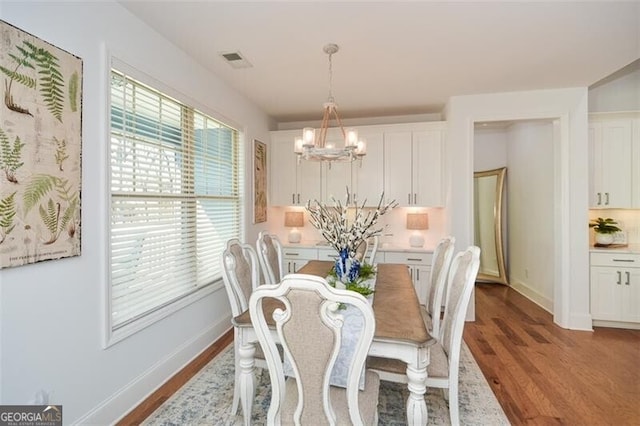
[419,264]
[367,176]
[614,159]
[292,183]
[413,164]
[295,258]
[615,289]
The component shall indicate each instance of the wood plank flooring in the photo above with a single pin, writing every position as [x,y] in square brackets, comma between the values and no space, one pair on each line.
[543,374]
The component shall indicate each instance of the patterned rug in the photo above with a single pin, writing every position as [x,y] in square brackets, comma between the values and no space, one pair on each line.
[206,399]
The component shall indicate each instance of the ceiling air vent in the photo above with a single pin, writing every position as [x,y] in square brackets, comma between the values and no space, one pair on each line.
[236,60]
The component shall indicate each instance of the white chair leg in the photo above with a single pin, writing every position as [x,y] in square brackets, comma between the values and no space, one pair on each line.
[236,383]
[454,413]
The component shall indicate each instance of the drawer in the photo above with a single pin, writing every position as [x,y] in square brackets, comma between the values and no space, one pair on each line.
[299,253]
[625,260]
[408,258]
[327,254]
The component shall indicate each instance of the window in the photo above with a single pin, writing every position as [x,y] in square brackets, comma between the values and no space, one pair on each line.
[175,201]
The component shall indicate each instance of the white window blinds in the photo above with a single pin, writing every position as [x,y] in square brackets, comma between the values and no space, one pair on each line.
[175,199]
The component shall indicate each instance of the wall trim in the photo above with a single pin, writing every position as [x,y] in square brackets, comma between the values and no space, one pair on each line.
[135,392]
[531,294]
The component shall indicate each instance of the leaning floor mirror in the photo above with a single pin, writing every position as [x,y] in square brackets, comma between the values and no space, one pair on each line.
[487,194]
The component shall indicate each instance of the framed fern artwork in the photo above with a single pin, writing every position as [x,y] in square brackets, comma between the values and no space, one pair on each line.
[259,181]
[40,149]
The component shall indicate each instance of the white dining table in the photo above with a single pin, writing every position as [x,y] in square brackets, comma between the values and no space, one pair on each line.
[400,334]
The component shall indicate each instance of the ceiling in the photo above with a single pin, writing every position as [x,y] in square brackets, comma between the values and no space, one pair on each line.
[397,58]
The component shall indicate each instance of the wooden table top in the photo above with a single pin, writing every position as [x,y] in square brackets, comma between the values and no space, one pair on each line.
[395,305]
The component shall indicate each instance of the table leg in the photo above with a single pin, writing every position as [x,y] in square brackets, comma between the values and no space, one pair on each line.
[246,353]
[416,405]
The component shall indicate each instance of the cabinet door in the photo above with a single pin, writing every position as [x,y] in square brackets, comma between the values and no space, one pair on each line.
[427,167]
[397,167]
[420,274]
[610,163]
[309,182]
[336,180]
[368,179]
[606,290]
[283,170]
[630,294]
[616,163]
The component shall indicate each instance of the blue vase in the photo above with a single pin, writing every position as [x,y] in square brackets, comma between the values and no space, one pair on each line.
[347,268]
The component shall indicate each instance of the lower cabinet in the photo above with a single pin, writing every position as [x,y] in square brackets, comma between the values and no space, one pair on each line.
[615,289]
[295,258]
[419,264]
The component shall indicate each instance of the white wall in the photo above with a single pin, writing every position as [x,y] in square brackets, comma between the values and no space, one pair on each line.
[52,317]
[618,92]
[531,210]
[570,248]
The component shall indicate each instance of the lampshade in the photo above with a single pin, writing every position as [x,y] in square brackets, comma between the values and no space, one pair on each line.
[293,219]
[418,221]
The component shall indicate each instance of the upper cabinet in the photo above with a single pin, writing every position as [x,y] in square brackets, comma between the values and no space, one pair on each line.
[291,183]
[614,161]
[403,160]
[413,164]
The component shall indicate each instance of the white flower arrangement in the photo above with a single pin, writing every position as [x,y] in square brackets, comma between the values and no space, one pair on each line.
[341,233]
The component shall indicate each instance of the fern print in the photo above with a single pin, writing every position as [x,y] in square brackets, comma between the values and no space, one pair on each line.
[50,78]
[38,188]
[51,218]
[7,213]
[61,152]
[10,156]
[73,91]
[51,81]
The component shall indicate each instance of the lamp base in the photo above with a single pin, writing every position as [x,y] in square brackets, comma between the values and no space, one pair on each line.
[416,240]
[295,236]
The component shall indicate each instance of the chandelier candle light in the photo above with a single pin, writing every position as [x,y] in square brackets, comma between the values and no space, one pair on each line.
[314,147]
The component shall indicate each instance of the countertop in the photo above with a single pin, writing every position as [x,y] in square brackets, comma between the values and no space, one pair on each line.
[631,249]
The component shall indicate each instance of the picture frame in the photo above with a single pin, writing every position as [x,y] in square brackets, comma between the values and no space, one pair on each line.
[40,150]
[259,181]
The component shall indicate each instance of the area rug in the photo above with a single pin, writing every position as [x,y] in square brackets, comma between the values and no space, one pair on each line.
[206,399]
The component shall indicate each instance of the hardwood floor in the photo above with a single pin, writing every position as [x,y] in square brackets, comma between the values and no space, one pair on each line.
[544,374]
[156,399]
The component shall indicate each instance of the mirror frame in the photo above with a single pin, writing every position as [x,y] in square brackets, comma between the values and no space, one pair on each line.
[497,224]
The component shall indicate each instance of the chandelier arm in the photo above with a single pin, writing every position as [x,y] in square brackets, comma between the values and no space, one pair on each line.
[323,128]
[335,114]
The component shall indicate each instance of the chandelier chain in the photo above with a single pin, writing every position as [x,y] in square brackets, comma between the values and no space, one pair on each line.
[331,99]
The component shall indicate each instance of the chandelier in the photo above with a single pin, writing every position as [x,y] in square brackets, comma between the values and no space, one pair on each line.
[312,145]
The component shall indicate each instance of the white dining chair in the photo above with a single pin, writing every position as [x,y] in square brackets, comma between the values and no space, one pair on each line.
[270,255]
[241,277]
[441,262]
[444,364]
[309,328]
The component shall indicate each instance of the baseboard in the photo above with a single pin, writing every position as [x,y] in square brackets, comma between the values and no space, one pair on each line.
[617,324]
[531,294]
[130,396]
[582,322]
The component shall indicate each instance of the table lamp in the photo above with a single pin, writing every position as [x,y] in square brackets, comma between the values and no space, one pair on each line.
[294,220]
[417,222]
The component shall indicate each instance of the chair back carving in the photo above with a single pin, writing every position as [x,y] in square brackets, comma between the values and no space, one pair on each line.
[240,274]
[270,256]
[440,265]
[309,329]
